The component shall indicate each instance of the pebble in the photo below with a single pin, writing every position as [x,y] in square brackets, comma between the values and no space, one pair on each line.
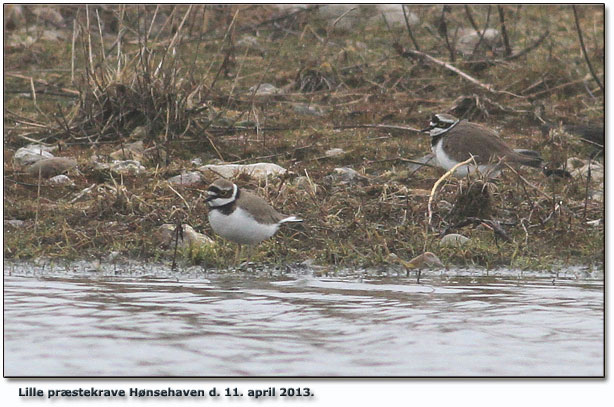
[334,152]
[61,180]
[186,178]
[133,167]
[32,153]
[265,89]
[258,170]
[165,236]
[346,175]
[454,240]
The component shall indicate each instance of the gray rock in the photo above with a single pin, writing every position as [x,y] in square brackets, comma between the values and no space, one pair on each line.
[32,153]
[133,167]
[581,168]
[61,180]
[265,89]
[469,39]
[186,178]
[307,109]
[248,41]
[346,175]
[454,240]
[165,236]
[394,15]
[16,223]
[258,170]
[132,151]
[334,152]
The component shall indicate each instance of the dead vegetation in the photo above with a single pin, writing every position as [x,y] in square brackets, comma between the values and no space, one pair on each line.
[257,83]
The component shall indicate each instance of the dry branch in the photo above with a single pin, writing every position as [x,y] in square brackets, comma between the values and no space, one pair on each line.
[588,61]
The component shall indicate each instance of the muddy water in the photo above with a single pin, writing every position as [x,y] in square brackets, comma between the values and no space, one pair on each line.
[141,320]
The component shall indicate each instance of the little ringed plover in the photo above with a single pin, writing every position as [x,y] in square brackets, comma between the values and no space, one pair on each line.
[242,216]
[454,141]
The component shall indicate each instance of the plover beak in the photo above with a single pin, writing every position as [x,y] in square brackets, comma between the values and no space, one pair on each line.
[210,196]
[431,127]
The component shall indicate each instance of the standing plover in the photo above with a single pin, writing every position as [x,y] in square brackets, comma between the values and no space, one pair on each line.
[242,216]
[454,141]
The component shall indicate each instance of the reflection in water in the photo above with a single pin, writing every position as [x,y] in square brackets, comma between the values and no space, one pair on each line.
[163,323]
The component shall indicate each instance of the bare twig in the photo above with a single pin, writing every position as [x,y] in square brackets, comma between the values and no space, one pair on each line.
[482,33]
[470,18]
[42,82]
[405,53]
[409,32]
[506,40]
[588,180]
[588,61]
[444,30]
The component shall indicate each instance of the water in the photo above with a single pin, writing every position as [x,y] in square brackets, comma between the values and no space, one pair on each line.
[146,321]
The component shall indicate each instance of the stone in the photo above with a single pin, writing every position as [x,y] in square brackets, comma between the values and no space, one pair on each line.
[454,240]
[186,178]
[16,223]
[265,89]
[468,39]
[334,152]
[132,151]
[346,175]
[32,153]
[394,15]
[332,12]
[307,109]
[165,237]
[596,170]
[125,167]
[50,167]
[248,41]
[258,170]
[61,180]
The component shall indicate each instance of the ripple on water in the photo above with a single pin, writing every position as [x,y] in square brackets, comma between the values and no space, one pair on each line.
[142,321]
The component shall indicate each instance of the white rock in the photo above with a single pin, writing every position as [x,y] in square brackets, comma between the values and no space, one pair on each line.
[307,109]
[394,15]
[258,170]
[61,180]
[579,168]
[291,8]
[186,178]
[334,152]
[265,89]
[469,38]
[165,236]
[16,223]
[32,153]
[346,175]
[122,167]
[594,223]
[454,240]
[248,41]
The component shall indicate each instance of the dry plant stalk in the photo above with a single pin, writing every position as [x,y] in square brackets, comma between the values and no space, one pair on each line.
[439,181]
